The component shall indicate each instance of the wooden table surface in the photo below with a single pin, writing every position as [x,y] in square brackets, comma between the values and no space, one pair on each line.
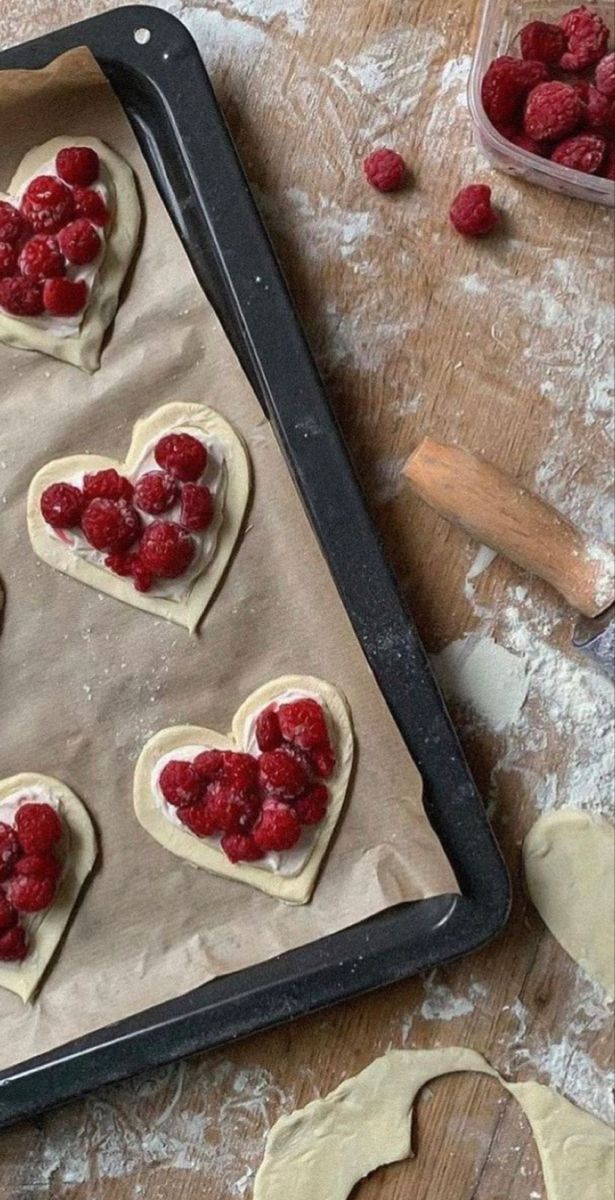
[504,346]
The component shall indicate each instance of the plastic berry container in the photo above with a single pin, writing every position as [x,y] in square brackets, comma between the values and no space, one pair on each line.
[500,25]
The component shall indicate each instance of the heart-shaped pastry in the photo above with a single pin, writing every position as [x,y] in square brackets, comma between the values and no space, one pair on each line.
[69,227]
[260,804]
[47,850]
[158,530]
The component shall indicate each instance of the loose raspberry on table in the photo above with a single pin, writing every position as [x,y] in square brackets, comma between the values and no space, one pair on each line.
[180,783]
[209,764]
[80,242]
[110,526]
[303,722]
[506,84]
[587,38]
[544,42]
[90,204]
[281,775]
[156,492]
[200,819]
[312,807]
[239,769]
[29,894]
[39,827]
[241,847]
[232,810]
[47,204]
[65,297]
[10,849]
[278,827]
[62,505]
[8,259]
[107,485]
[41,258]
[166,549]
[604,76]
[38,866]
[8,915]
[22,297]
[552,111]
[78,165]
[471,213]
[197,507]
[267,729]
[183,455]
[385,169]
[584,152]
[324,761]
[13,945]
[13,227]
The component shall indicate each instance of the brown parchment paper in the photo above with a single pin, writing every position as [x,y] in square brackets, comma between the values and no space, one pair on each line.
[84,680]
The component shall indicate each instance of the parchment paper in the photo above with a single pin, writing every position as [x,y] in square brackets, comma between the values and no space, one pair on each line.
[84,680]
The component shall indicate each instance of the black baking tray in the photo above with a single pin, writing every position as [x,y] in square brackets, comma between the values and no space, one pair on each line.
[168,98]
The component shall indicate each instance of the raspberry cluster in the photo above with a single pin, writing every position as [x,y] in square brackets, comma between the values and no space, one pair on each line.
[55,230]
[258,803]
[119,519]
[29,872]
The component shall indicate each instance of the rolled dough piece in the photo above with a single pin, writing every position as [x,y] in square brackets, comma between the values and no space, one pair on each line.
[320,1152]
[569,862]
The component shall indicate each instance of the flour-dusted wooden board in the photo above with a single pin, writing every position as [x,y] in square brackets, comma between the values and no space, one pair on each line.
[504,346]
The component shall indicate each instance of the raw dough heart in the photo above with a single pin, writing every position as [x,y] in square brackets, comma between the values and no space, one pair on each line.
[295,889]
[121,236]
[24,977]
[188,609]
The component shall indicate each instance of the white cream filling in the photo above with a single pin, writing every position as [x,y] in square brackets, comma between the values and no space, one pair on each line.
[287,862]
[36,794]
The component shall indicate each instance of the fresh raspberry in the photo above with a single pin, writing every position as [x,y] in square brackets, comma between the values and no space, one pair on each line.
[13,945]
[303,722]
[47,204]
[324,761]
[166,549]
[241,847]
[29,894]
[156,492]
[200,819]
[121,564]
[38,866]
[587,38]
[90,204]
[552,111]
[39,828]
[303,757]
[595,105]
[471,213]
[182,455]
[180,784]
[267,729]
[543,42]
[9,849]
[506,83]
[525,142]
[279,774]
[21,297]
[385,169]
[110,525]
[41,258]
[241,770]
[62,505]
[605,76]
[79,242]
[78,164]
[197,507]
[8,915]
[209,764]
[12,225]
[278,827]
[142,577]
[584,152]
[107,485]
[312,807]
[65,297]
[8,259]
[233,811]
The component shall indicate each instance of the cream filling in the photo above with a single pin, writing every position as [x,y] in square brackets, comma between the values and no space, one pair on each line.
[9,807]
[287,862]
[214,477]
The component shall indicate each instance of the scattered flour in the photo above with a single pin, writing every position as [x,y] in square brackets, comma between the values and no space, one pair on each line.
[441,1004]
[479,673]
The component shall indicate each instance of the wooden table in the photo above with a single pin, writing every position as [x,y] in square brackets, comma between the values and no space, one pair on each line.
[504,346]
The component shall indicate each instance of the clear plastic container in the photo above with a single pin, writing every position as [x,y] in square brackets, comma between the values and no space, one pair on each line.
[500,26]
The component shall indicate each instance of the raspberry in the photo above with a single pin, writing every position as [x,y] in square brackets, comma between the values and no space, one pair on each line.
[21,297]
[78,164]
[324,761]
[65,297]
[143,578]
[197,507]
[278,827]
[41,258]
[209,764]
[280,774]
[200,819]
[107,485]
[267,729]
[241,770]
[13,945]
[543,42]
[312,807]
[79,242]
[29,894]
[8,259]
[110,525]
[90,204]
[38,826]
[62,505]
[232,810]
[471,212]
[303,722]
[552,111]
[121,564]
[608,169]
[596,107]
[506,84]
[605,76]
[180,784]
[12,225]
[525,142]
[182,455]
[8,915]
[47,204]
[584,152]
[156,492]
[241,847]
[38,866]
[385,169]
[9,849]
[300,756]
[166,549]
[586,38]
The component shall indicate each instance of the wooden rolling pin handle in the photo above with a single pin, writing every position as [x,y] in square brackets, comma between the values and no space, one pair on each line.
[495,509]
